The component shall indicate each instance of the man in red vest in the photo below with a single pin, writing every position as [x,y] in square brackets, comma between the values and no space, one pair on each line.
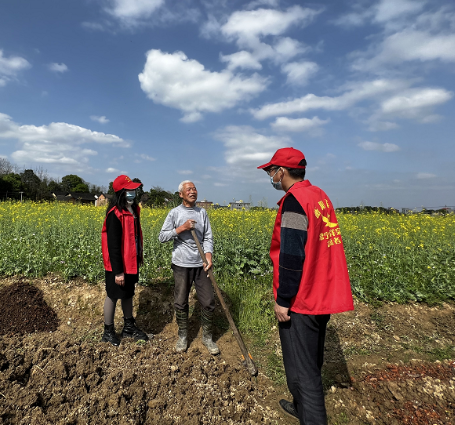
[310,281]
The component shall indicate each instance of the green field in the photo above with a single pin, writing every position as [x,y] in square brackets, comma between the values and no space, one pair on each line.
[390,257]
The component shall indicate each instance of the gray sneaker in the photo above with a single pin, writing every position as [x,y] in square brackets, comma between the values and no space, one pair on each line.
[288,408]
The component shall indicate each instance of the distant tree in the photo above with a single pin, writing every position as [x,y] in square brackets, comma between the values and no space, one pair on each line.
[71,181]
[54,186]
[7,167]
[140,190]
[80,188]
[158,197]
[10,185]
[31,183]
[111,188]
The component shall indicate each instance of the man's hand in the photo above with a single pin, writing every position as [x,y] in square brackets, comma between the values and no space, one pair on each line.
[281,313]
[188,225]
[209,264]
[120,279]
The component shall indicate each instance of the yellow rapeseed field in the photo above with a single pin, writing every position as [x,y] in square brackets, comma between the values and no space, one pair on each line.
[390,257]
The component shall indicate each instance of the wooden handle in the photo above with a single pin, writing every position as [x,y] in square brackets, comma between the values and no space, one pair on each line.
[246,355]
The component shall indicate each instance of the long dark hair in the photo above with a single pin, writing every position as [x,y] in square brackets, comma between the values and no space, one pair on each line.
[119,200]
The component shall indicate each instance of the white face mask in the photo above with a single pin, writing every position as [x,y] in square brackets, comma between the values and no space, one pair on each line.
[276,185]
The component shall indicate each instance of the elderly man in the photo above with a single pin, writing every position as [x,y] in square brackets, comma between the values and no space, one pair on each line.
[310,281]
[187,264]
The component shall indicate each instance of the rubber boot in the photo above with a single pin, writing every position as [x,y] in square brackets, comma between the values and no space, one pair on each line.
[207,319]
[181,317]
[130,330]
[110,336]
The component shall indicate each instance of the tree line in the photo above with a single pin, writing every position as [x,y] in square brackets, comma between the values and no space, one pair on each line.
[37,185]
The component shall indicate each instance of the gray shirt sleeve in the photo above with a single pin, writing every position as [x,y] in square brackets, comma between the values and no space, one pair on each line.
[168,232]
[207,243]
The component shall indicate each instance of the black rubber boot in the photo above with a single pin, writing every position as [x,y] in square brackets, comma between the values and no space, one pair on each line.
[110,336]
[207,319]
[130,330]
[181,316]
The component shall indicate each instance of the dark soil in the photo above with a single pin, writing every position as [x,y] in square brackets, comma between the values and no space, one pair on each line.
[23,310]
[387,365]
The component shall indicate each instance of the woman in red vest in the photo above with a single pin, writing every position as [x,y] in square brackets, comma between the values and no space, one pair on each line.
[121,243]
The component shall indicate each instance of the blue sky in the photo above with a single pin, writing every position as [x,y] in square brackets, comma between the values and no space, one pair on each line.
[167,90]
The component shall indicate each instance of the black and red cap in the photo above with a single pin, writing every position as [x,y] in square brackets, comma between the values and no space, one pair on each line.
[124,182]
[286,157]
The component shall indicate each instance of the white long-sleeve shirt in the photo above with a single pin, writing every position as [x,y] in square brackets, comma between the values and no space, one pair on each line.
[185,253]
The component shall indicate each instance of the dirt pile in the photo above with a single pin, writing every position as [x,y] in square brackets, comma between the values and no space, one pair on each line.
[24,310]
[74,383]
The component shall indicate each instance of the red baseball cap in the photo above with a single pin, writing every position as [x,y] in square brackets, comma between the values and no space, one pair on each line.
[286,157]
[124,182]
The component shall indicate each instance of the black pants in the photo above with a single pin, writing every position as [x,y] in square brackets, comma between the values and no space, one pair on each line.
[184,278]
[302,342]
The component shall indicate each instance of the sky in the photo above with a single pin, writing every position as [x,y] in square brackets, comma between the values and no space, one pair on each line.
[207,90]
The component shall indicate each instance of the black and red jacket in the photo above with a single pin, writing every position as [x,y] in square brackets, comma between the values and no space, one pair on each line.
[128,248]
[324,287]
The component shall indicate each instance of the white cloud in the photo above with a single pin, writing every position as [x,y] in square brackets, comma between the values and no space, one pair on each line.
[101,119]
[56,143]
[58,67]
[286,48]
[382,12]
[247,26]
[131,12]
[355,92]
[173,80]
[243,144]
[217,184]
[298,125]
[377,125]
[407,45]
[415,103]
[381,147]
[242,59]
[10,67]
[299,72]
[422,176]
[185,172]
[387,10]
[111,170]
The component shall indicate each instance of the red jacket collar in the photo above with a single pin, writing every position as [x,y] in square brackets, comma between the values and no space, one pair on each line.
[295,186]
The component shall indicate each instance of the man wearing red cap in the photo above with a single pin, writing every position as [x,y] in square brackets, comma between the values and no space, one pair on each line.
[310,281]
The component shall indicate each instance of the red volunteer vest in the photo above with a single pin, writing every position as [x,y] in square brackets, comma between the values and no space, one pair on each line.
[324,287]
[129,254]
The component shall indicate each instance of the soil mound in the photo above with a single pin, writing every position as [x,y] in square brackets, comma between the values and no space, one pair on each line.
[25,311]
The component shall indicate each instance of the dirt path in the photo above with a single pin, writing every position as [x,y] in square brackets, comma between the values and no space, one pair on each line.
[68,377]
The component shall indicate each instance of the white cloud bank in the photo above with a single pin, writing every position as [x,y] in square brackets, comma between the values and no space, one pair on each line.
[173,80]
[393,99]
[299,72]
[10,67]
[381,147]
[56,143]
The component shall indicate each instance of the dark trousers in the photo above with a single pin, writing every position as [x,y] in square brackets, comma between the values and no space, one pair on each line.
[302,342]
[184,278]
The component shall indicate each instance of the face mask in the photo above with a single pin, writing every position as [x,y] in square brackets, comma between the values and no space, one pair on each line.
[130,195]
[276,185]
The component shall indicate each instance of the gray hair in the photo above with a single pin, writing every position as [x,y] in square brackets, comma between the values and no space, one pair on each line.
[184,182]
